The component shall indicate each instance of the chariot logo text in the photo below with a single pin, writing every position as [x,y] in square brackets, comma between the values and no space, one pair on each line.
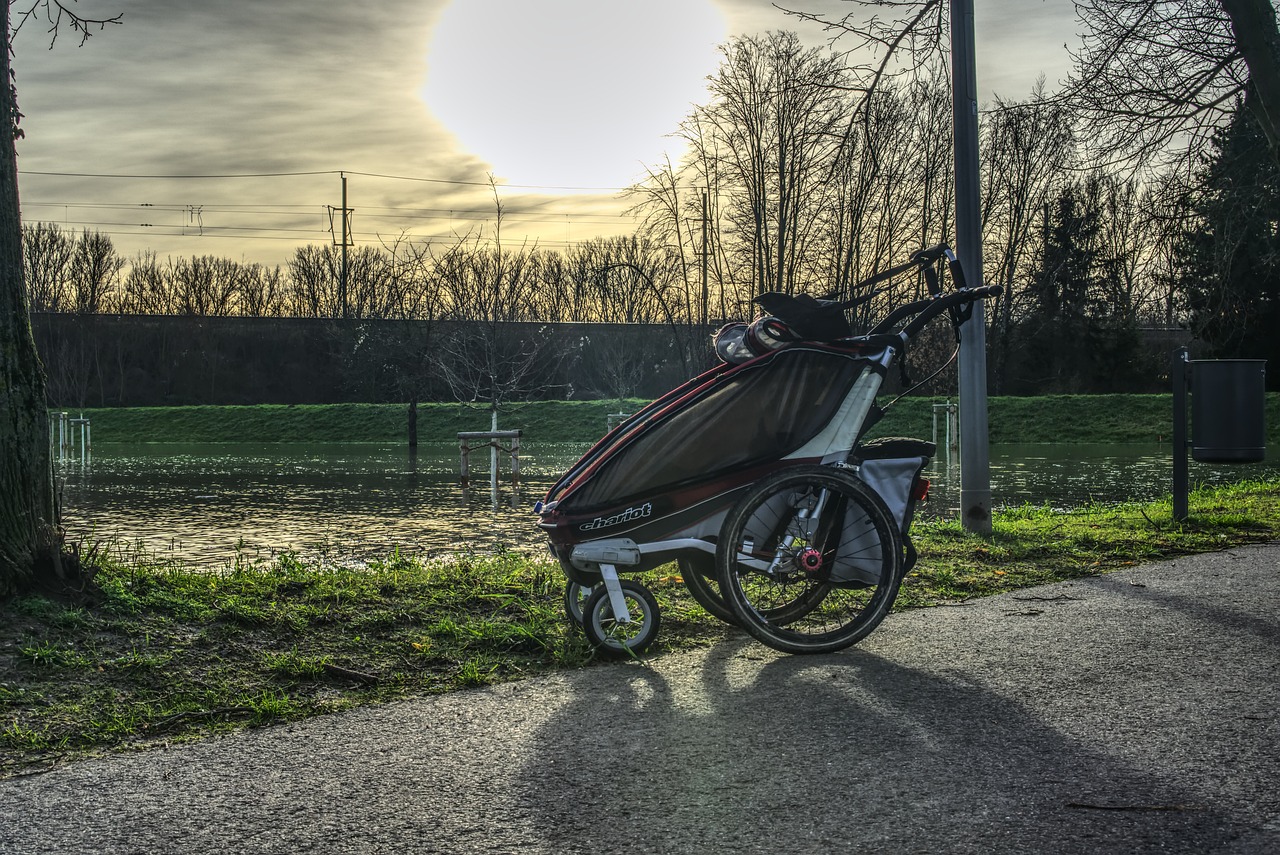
[628,515]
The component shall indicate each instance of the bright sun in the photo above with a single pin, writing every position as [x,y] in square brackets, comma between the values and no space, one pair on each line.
[570,93]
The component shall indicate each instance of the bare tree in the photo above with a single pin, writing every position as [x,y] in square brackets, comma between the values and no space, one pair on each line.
[313,281]
[1030,150]
[315,274]
[46,255]
[1150,74]
[146,289]
[261,291]
[669,222]
[93,273]
[1151,71]
[204,285]
[488,289]
[775,127]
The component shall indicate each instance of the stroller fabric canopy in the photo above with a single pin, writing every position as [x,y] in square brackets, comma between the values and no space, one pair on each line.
[760,411]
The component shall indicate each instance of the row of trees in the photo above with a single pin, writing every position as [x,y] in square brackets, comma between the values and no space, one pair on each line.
[792,182]
[600,280]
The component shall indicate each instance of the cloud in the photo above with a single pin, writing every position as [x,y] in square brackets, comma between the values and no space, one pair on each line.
[242,86]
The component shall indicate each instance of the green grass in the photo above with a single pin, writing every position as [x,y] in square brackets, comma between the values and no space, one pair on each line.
[558,421]
[1051,418]
[175,653]
[1036,545]
[1101,419]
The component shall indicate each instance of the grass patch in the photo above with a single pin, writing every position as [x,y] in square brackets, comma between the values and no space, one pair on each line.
[542,421]
[174,653]
[1036,545]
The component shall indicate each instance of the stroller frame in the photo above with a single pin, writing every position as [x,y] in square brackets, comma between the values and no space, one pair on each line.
[598,533]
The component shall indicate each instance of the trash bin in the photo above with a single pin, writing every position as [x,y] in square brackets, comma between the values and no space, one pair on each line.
[1228,410]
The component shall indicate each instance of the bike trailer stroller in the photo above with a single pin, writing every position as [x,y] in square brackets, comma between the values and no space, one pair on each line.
[750,475]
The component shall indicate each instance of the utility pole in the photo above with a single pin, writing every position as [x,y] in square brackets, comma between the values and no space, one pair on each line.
[346,242]
[975,460]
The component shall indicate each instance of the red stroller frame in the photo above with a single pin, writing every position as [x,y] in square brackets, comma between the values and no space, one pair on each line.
[764,456]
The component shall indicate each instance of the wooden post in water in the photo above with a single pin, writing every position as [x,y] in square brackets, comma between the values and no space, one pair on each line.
[490,438]
[493,459]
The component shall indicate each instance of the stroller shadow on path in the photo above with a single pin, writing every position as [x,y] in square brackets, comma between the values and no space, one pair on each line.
[849,752]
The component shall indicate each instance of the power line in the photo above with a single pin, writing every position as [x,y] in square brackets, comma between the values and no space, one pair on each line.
[396,213]
[232,175]
[133,176]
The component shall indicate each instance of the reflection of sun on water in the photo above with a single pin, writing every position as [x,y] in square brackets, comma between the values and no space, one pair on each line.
[570,93]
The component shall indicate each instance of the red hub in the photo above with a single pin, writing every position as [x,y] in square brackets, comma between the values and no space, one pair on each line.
[810,560]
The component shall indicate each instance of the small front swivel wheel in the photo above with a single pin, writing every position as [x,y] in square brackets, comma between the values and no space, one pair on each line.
[616,638]
[575,601]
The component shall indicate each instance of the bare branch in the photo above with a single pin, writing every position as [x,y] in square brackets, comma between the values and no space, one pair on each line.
[57,13]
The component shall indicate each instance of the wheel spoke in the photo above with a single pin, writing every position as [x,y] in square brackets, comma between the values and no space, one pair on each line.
[815,560]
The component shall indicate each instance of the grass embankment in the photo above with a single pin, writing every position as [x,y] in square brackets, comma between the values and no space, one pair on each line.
[1052,418]
[175,654]
[545,421]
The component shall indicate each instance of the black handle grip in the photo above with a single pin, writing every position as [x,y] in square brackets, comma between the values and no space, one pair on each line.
[930,254]
[931,280]
[957,272]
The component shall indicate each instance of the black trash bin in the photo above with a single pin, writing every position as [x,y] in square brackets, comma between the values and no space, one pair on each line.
[1228,410]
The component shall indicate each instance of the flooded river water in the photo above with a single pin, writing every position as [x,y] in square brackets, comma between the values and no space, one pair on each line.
[209,504]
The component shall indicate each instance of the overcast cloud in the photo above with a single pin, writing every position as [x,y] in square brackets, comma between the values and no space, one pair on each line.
[241,86]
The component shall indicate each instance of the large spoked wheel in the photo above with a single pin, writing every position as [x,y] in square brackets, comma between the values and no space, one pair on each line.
[699,577]
[809,560]
[617,638]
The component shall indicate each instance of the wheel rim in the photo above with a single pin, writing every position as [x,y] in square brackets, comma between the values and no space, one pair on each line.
[619,634]
[817,564]
[704,589]
[620,638]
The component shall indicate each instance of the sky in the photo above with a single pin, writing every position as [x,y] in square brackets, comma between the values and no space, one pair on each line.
[226,128]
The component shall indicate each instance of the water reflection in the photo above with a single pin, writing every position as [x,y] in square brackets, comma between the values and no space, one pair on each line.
[1065,476]
[209,503]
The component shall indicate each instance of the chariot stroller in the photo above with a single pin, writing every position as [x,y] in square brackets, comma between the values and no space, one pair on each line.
[753,477]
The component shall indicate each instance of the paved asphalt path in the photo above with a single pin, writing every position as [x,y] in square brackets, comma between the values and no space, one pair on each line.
[1137,712]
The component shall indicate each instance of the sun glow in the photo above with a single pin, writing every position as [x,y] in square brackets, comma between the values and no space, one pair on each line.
[570,93]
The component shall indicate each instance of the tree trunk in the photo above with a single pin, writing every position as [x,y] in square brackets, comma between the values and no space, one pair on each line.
[1253,23]
[28,532]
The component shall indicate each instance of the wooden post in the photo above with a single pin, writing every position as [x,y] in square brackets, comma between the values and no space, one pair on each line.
[491,440]
[1180,372]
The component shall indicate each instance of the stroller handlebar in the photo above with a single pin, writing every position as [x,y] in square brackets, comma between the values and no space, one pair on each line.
[924,311]
[823,319]
[953,300]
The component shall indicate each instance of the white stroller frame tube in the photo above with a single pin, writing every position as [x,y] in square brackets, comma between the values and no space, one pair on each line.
[837,439]
[614,588]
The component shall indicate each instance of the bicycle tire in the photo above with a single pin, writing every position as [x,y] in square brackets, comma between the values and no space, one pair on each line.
[828,586]
[699,575]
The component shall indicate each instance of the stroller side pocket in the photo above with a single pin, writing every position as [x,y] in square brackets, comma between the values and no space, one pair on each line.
[892,467]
